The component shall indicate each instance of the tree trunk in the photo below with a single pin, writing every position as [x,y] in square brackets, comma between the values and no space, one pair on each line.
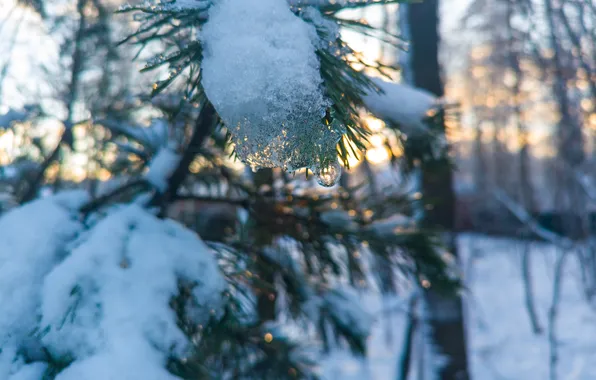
[445,313]
[526,188]
[569,133]
[480,165]
[265,300]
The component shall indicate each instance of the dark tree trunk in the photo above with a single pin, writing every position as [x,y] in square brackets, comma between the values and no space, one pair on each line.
[445,313]
[266,300]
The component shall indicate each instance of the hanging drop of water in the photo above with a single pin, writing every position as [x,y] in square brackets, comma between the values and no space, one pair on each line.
[329,175]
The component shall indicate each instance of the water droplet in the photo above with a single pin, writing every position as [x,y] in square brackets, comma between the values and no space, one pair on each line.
[329,176]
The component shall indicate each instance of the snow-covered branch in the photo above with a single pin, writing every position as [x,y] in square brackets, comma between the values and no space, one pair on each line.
[400,104]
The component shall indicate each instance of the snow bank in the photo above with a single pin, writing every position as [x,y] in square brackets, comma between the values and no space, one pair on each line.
[501,343]
[261,73]
[400,104]
[107,304]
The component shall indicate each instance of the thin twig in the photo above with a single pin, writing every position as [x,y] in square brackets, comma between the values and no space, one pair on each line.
[520,213]
[98,202]
[67,136]
[34,184]
[528,289]
[576,41]
[405,361]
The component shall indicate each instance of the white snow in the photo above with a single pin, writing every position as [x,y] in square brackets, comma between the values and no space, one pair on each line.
[400,104]
[33,239]
[182,6]
[100,296]
[329,28]
[192,4]
[500,339]
[33,371]
[161,167]
[261,73]
[107,304]
[320,3]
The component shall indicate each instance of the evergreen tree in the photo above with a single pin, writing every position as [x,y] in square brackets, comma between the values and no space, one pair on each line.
[120,290]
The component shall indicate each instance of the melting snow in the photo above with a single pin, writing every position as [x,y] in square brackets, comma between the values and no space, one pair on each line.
[262,75]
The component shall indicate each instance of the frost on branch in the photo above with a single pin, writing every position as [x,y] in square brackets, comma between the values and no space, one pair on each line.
[107,305]
[261,73]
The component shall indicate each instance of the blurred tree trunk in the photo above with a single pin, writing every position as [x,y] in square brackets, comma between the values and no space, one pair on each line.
[569,134]
[266,300]
[480,164]
[526,188]
[445,317]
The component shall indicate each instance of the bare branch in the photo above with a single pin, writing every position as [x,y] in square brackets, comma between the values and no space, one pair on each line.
[67,135]
[523,216]
[96,203]
[405,361]
[526,267]
[552,316]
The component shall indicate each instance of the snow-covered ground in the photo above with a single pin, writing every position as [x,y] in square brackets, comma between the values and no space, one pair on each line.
[501,343]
